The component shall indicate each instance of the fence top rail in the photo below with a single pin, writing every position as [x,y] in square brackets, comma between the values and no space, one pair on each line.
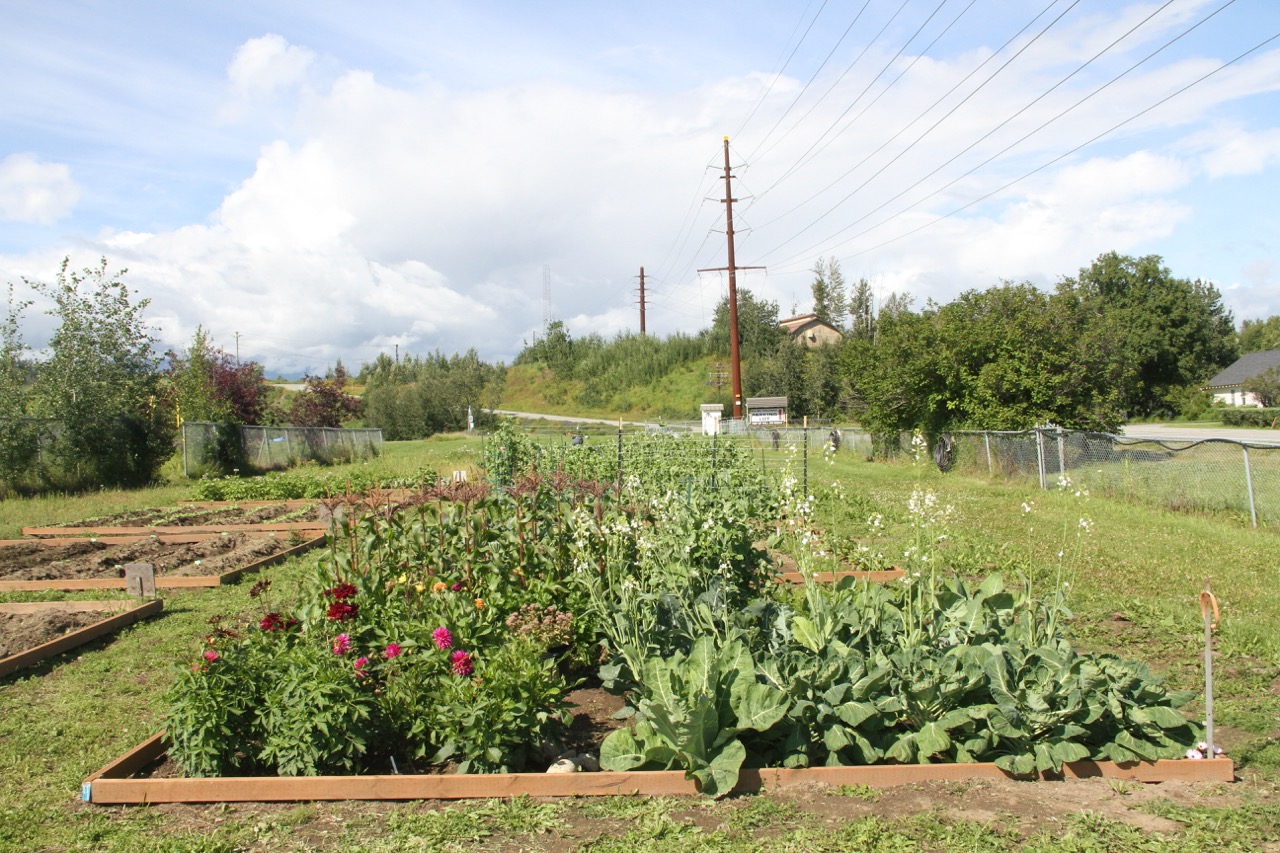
[1171,444]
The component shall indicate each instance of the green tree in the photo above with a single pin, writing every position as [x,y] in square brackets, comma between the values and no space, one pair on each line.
[829,301]
[101,382]
[898,381]
[1260,335]
[1265,386]
[758,331]
[556,350]
[1012,361]
[1162,332]
[17,434]
[191,376]
[862,310]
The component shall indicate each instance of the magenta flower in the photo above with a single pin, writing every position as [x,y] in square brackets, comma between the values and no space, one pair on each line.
[361,663]
[461,662]
[444,640]
[393,651]
[210,656]
[342,644]
[457,587]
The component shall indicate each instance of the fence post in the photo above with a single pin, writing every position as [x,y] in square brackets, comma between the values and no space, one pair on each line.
[715,461]
[619,453]
[805,435]
[986,440]
[1040,458]
[186,472]
[1062,452]
[1248,482]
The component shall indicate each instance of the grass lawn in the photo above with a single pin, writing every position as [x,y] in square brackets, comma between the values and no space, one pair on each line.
[1134,572]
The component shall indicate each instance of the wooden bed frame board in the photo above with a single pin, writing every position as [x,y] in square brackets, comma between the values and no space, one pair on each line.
[162,582]
[56,534]
[831,577]
[33,656]
[112,785]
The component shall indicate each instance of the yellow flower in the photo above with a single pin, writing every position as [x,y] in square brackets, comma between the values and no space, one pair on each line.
[420,587]
[402,579]
[479,604]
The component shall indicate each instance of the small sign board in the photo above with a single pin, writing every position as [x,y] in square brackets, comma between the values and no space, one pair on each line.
[767,411]
[140,579]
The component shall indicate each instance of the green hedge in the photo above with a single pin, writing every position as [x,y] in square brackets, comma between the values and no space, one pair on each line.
[1264,418]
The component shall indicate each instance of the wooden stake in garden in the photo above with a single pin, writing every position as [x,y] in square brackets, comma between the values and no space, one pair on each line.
[1208,612]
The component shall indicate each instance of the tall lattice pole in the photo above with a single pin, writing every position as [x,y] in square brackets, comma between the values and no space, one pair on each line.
[546,298]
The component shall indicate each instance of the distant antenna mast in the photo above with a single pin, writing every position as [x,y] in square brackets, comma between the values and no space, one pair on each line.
[546,297]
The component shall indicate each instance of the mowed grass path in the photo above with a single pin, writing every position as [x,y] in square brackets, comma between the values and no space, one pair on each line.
[1135,577]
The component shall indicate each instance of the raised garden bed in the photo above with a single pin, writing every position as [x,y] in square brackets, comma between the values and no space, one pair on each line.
[789,571]
[73,623]
[118,784]
[200,560]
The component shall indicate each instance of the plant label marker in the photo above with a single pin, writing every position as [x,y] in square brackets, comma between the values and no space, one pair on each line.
[140,579]
[1209,612]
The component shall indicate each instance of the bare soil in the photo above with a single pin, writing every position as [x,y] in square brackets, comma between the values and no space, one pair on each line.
[196,515]
[22,631]
[214,555]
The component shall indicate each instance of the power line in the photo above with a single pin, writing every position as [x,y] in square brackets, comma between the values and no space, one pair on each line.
[778,70]
[944,96]
[832,87]
[1064,155]
[810,152]
[1002,124]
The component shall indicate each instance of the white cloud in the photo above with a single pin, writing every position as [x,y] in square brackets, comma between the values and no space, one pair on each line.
[396,205]
[1243,153]
[268,64]
[262,74]
[32,191]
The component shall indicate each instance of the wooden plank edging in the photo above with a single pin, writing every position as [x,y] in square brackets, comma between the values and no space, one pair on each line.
[831,577]
[172,582]
[30,657]
[57,534]
[111,784]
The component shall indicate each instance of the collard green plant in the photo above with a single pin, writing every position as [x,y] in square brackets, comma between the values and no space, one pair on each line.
[692,710]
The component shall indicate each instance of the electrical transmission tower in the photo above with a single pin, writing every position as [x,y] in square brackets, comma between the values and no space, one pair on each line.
[546,298]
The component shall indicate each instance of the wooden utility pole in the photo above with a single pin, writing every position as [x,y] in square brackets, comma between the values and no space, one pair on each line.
[735,358]
[641,301]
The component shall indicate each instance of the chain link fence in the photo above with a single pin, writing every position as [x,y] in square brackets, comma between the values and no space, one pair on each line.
[207,446]
[1210,475]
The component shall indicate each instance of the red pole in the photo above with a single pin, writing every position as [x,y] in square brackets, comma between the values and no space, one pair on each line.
[735,363]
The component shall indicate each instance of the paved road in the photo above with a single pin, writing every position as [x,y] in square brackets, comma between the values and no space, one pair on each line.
[1191,432]
[564,418]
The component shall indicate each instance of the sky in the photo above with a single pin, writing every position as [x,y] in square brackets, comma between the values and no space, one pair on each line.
[320,181]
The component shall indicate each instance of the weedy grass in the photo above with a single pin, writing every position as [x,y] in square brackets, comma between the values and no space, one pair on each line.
[1135,574]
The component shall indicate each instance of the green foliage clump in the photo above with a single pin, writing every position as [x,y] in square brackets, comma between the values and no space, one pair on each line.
[416,397]
[1259,418]
[110,423]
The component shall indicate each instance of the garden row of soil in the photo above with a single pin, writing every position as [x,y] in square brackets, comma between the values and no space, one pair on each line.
[31,632]
[220,515]
[185,551]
